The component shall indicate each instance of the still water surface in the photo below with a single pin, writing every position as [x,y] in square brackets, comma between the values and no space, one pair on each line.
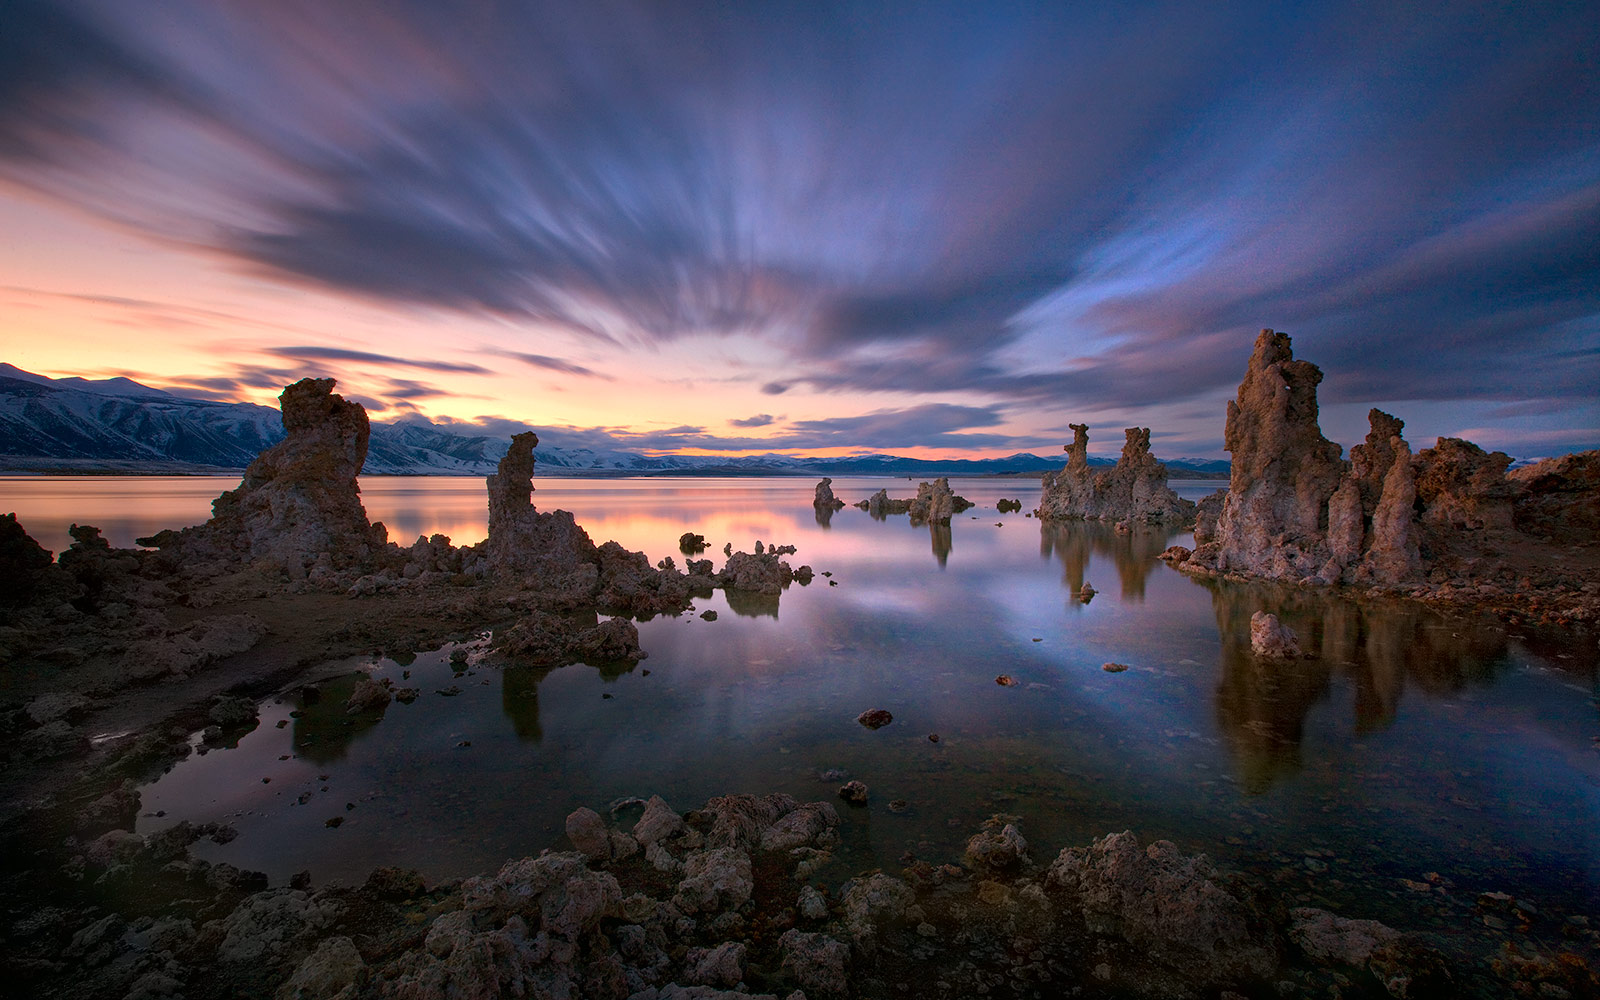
[1409,743]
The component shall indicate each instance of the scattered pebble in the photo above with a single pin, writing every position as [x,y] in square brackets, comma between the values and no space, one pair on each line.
[333,822]
[875,718]
[1006,680]
[933,737]
[854,792]
[709,616]
[1113,668]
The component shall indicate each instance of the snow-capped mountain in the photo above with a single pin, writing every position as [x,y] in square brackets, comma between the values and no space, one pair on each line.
[119,424]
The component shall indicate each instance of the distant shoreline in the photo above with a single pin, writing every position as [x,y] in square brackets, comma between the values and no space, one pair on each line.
[22,466]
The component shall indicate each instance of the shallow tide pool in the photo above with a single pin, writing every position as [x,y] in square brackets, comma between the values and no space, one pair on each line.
[1409,750]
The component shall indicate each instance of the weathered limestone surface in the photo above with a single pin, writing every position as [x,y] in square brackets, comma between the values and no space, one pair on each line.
[298,508]
[1133,489]
[880,506]
[1296,510]
[1449,521]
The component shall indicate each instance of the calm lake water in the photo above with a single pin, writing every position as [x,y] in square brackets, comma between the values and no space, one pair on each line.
[1409,744]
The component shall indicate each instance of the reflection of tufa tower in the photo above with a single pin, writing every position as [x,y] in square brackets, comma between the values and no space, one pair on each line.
[1133,554]
[1262,703]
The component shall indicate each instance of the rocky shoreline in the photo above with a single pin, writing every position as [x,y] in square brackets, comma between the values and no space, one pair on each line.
[112,658]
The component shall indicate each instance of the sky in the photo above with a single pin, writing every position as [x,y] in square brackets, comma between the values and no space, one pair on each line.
[942,230]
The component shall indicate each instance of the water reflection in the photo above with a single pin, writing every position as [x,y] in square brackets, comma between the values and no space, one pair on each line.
[940,535]
[519,699]
[752,604]
[1262,704]
[1133,554]
[323,730]
[824,516]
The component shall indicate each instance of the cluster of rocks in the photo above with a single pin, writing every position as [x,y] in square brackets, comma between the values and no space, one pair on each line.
[1447,521]
[935,503]
[727,902]
[1135,489]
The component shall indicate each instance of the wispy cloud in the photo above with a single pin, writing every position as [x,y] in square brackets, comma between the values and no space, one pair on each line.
[313,353]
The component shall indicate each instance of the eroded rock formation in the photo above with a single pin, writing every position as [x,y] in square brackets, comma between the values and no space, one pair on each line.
[825,498]
[935,503]
[1133,489]
[1295,509]
[1448,523]
[523,540]
[298,508]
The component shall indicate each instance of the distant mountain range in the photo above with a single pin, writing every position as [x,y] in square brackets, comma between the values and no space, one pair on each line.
[119,425]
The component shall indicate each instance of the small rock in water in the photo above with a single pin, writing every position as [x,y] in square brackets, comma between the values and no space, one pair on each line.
[854,792]
[933,737]
[1006,680]
[709,616]
[875,718]
[1271,638]
[608,695]
[333,822]
[449,692]
[899,806]
[1113,668]
[1086,593]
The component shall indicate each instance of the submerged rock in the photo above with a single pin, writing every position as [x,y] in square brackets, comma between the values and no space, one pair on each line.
[875,718]
[1271,638]
[1177,906]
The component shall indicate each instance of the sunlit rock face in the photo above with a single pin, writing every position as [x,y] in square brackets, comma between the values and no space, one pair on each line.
[299,506]
[521,539]
[1135,489]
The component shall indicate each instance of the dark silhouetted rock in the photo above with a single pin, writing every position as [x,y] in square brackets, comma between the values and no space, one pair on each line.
[875,718]
[825,497]
[298,508]
[523,541]
[24,563]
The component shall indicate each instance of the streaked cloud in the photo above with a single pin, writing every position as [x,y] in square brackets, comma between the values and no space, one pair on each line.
[1043,209]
